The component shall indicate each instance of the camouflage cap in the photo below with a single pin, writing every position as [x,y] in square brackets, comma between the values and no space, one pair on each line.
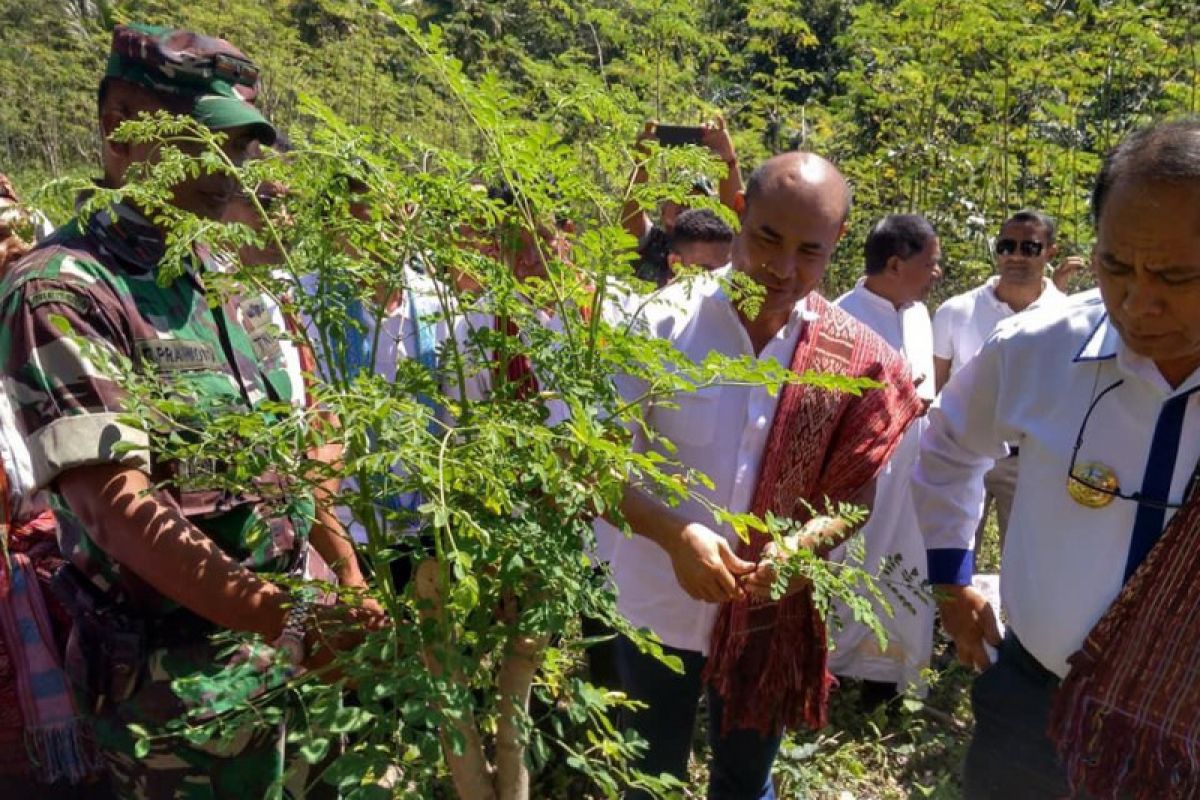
[219,79]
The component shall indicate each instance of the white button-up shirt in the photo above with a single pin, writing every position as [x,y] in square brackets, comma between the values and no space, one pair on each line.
[892,528]
[398,341]
[1032,384]
[14,457]
[721,431]
[964,322]
[907,329]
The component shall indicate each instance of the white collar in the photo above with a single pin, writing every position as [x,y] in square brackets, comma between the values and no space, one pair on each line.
[1049,290]
[715,295]
[860,288]
[1101,343]
[1105,343]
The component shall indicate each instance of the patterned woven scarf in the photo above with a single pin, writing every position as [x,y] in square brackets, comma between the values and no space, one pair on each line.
[1127,718]
[55,736]
[768,659]
[516,369]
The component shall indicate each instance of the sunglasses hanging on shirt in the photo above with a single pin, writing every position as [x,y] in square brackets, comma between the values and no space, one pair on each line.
[1028,247]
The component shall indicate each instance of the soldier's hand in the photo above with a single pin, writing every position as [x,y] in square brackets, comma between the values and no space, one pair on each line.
[336,629]
[969,619]
[12,248]
[705,566]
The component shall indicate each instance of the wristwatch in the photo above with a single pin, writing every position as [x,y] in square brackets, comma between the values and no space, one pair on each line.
[291,641]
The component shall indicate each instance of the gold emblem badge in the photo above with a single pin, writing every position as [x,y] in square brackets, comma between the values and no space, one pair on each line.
[1090,483]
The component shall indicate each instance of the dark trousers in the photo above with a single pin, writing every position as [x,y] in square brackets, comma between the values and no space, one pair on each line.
[601,656]
[1010,755]
[741,760]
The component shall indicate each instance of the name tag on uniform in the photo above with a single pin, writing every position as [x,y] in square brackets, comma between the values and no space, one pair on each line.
[172,355]
[59,297]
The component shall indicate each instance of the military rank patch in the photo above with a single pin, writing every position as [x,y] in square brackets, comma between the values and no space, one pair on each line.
[177,354]
[266,346]
[60,297]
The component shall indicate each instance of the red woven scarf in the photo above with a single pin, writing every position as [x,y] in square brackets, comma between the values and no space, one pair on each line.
[516,369]
[768,660]
[1127,718]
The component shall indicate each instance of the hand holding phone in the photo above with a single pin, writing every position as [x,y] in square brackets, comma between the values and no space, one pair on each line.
[679,135]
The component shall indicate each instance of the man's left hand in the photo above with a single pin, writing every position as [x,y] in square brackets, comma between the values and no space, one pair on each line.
[759,583]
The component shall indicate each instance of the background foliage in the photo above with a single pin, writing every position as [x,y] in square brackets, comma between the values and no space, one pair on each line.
[961,109]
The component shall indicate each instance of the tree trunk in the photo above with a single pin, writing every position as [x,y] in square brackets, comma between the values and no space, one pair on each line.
[515,679]
[469,769]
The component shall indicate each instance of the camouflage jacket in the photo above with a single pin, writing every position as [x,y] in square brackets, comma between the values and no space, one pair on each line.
[97,280]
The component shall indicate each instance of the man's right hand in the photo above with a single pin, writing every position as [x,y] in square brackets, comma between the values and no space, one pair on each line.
[705,565]
[969,619]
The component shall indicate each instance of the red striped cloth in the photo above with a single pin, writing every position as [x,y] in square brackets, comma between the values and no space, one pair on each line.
[40,730]
[1127,718]
[768,660]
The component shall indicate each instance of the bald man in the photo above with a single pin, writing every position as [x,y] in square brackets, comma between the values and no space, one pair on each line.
[701,589]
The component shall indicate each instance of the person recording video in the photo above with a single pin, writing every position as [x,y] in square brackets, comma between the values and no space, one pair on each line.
[654,239]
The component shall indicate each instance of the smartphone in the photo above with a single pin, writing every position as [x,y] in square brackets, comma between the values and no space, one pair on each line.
[678,135]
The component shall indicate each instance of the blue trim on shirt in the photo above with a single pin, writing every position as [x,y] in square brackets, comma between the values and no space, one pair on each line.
[1087,342]
[950,565]
[1156,483]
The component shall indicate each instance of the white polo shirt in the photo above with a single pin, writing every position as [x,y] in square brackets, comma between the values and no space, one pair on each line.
[1032,384]
[964,322]
[721,431]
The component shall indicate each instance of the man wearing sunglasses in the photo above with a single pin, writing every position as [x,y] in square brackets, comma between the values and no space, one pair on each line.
[1102,561]
[1023,248]
[964,322]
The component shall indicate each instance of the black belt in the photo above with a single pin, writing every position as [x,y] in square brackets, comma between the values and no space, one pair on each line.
[180,627]
[1012,651]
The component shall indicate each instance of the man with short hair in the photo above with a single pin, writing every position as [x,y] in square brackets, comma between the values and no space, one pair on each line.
[160,555]
[1101,563]
[700,239]
[963,323]
[699,588]
[1024,247]
[902,255]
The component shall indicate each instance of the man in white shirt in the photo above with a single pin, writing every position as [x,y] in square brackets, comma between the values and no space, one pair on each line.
[964,322]
[1103,401]
[902,255]
[683,579]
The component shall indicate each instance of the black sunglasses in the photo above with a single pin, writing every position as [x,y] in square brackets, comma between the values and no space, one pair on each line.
[1028,247]
[1083,476]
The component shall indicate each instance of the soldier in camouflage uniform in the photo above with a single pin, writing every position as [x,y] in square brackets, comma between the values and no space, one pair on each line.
[171,565]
